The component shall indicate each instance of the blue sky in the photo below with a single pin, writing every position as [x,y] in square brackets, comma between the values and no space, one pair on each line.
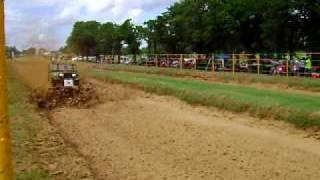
[47,23]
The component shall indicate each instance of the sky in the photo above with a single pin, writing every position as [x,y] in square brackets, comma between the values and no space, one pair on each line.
[48,23]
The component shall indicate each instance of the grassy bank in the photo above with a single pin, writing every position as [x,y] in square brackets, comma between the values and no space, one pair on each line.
[241,78]
[301,110]
[24,128]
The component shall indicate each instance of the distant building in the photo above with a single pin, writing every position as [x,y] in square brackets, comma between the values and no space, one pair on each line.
[30,51]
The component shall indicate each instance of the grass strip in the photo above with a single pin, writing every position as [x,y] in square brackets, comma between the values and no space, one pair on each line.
[241,78]
[301,110]
[24,127]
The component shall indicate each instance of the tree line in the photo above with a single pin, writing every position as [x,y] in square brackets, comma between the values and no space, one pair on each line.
[207,26]
[12,51]
[95,38]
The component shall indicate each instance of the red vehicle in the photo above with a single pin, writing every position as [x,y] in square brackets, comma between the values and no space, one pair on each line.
[189,63]
[279,69]
[316,72]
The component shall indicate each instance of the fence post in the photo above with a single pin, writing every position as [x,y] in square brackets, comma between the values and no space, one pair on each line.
[213,65]
[156,60]
[233,64]
[258,63]
[287,64]
[181,62]
[146,62]
[195,62]
[287,68]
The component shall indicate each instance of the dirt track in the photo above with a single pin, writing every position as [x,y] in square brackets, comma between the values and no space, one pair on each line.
[135,135]
[140,136]
[33,71]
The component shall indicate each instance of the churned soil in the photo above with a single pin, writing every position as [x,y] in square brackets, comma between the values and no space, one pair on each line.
[49,150]
[135,135]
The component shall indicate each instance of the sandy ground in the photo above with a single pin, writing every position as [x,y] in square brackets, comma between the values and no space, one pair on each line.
[33,71]
[135,135]
[58,156]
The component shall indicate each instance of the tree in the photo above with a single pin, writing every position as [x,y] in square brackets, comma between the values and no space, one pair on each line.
[84,38]
[133,36]
[12,51]
[207,26]
[150,36]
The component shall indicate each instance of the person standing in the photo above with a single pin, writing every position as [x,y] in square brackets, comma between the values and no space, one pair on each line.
[308,66]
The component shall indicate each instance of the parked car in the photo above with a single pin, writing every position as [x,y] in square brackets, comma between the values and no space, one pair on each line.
[92,59]
[279,68]
[126,60]
[315,72]
[189,63]
[78,58]
[223,62]
[175,64]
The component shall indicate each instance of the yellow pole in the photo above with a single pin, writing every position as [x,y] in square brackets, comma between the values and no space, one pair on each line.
[6,171]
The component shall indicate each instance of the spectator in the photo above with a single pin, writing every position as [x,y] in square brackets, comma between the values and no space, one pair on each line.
[308,66]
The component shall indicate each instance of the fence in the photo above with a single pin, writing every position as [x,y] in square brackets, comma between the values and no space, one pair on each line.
[297,64]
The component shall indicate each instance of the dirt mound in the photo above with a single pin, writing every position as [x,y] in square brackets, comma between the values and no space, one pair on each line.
[85,97]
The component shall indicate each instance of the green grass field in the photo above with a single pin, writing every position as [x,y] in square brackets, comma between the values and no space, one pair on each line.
[299,109]
[241,78]
[24,126]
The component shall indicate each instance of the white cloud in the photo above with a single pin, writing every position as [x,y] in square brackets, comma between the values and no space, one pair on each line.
[133,13]
[96,6]
[47,23]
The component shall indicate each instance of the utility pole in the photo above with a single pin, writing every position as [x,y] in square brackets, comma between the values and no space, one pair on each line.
[6,171]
